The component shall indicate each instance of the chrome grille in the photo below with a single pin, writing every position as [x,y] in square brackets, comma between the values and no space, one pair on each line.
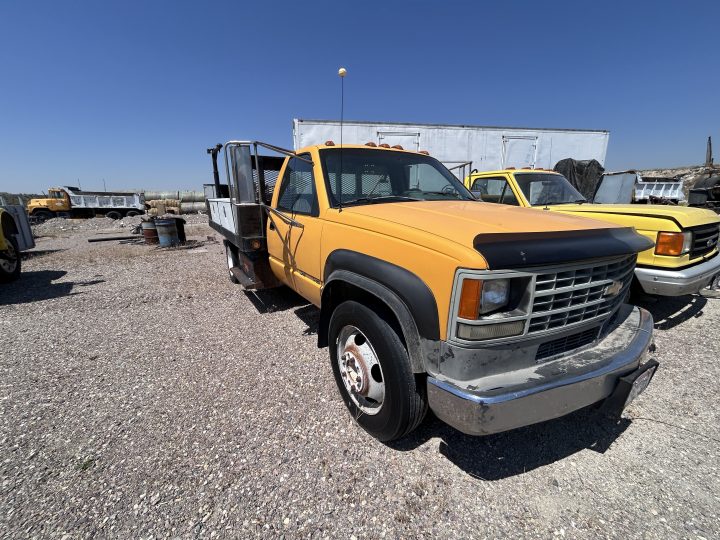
[705,239]
[568,297]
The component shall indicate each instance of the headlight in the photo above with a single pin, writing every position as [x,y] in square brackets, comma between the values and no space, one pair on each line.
[479,297]
[673,244]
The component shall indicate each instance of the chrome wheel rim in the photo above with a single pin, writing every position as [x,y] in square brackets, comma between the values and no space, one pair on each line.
[360,370]
[9,265]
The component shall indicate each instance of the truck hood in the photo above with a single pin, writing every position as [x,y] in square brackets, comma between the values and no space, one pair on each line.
[462,221]
[682,215]
[505,236]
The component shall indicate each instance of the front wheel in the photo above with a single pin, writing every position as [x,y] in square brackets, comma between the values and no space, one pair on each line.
[372,371]
[10,261]
[42,215]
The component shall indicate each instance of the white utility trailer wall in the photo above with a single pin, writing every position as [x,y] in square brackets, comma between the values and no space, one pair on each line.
[489,148]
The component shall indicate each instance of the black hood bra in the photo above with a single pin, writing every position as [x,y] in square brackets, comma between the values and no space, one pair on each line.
[516,250]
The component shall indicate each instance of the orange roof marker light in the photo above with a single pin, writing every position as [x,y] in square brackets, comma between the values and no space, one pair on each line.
[384,145]
[510,168]
[398,147]
[424,152]
[329,143]
[525,168]
[370,143]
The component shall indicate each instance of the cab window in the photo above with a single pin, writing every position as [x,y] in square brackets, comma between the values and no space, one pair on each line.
[297,190]
[494,189]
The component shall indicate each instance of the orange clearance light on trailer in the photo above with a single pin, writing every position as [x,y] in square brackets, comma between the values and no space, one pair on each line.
[329,143]
[424,152]
[470,299]
[370,143]
[398,147]
[669,243]
[384,145]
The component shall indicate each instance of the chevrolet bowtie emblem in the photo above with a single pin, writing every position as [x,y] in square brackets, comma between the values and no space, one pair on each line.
[613,289]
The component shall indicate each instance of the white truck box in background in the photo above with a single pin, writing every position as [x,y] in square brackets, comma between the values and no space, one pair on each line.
[489,148]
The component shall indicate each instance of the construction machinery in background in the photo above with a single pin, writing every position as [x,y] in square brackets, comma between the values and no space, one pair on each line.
[74,203]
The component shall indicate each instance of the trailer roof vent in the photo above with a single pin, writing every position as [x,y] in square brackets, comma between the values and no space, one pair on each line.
[424,152]
[329,143]
[384,145]
[370,143]
[398,147]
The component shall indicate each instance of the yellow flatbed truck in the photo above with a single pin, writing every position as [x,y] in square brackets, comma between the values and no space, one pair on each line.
[684,258]
[493,317]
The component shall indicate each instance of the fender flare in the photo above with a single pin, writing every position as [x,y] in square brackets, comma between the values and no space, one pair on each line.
[404,293]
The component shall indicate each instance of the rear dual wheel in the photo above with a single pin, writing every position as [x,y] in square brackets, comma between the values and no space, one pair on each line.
[373,373]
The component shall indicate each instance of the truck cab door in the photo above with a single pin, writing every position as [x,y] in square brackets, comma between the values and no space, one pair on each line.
[294,230]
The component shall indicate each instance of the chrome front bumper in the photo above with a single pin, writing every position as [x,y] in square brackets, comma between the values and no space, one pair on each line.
[678,282]
[549,390]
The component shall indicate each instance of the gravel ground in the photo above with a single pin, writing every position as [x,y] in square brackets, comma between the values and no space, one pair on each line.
[143,395]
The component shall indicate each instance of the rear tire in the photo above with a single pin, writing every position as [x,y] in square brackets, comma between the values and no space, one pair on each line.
[132,213]
[232,261]
[113,215]
[360,341]
[10,267]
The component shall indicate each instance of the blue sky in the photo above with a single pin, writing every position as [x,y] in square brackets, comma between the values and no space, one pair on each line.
[133,92]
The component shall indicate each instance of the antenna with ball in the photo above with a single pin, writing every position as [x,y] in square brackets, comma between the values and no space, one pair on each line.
[341,72]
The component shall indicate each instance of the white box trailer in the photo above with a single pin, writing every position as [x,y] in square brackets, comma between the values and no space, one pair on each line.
[487,147]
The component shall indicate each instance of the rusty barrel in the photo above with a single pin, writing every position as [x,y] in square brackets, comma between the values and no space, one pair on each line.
[167,232]
[150,232]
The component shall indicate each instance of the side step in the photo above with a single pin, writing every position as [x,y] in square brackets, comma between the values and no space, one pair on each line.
[243,278]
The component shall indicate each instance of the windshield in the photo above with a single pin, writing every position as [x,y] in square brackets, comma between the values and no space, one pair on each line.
[373,176]
[542,188]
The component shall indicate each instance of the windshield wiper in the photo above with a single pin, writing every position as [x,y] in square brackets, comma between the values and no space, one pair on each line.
[445,193]
[548,203]
[379,198]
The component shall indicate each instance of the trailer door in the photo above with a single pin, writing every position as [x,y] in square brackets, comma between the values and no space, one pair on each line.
[408,140]
[519,151]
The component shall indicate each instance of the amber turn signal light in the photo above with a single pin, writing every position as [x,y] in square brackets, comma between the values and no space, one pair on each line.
[673,244]
[470,299]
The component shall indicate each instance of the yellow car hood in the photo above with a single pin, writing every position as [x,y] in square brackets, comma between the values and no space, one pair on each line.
[683,215]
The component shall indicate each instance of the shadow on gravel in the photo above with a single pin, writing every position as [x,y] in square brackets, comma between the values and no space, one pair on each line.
[38,253]
[669,311]
[271,300]
[285,299]
[503,455]
[37,286]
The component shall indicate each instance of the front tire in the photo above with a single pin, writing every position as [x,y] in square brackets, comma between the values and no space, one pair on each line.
[10,261]
[372,371]
[43,215]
